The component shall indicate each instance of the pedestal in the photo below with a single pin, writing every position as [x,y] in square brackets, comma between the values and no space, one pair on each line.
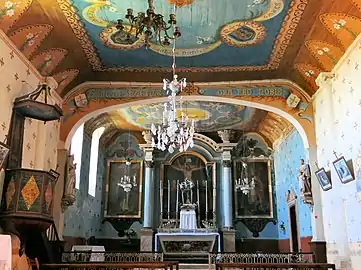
[319,250]
[146,239]
[229,240]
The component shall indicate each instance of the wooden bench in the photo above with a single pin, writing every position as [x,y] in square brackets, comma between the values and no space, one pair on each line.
[268,266]
[119,265]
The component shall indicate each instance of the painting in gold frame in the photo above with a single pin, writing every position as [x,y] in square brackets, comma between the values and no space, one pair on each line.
[258,203]
[123,201]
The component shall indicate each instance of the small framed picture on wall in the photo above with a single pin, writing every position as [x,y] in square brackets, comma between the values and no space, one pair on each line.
[343,170]
[323,179]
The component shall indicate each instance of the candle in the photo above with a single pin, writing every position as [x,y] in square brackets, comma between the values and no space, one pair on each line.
[206,200]
[168,199]
[177,199]
[161,201]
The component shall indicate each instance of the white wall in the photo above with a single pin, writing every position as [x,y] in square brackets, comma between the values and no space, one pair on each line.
[338,124]
[40,140]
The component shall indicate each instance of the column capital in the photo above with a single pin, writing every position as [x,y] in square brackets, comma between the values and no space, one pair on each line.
[226,163]
[226,135]
[147,135]
[149,164]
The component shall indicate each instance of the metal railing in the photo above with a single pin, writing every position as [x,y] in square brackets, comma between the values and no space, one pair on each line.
[91,256]
[304,257]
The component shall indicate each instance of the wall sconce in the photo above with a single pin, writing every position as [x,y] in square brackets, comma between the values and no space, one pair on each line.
[283,227]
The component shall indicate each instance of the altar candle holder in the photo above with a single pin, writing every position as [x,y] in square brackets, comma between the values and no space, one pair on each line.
[198,204]
[206,200]
[168,200]
[161,202]
[177,203]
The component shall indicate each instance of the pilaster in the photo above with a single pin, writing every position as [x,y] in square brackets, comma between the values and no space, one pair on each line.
[146,239]
[229,240]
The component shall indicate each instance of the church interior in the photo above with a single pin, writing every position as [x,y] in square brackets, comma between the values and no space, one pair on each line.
[187,134]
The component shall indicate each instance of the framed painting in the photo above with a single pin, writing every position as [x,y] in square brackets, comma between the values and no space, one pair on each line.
[323,179]
[123,191]
[4,152]
[343,171]
[257,201]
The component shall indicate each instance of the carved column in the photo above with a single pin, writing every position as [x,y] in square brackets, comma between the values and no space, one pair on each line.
[146,238]
[227,191]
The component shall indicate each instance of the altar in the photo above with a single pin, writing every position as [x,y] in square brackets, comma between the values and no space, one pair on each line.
[192,243]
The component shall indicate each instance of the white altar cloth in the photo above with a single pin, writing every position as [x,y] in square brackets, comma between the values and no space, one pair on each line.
[94,256]
[188,236]
[188,220]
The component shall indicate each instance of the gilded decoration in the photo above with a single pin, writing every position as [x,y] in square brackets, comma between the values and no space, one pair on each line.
[30,37]
[10,193]
[242,34]
[309,72]
[275,7]
[30,192]
[180,3]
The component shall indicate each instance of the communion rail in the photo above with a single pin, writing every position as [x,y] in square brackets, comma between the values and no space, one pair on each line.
[274,266]
[113,265]
[91,256]
[259,257]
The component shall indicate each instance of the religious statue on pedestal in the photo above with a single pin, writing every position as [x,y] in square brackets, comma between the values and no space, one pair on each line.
[304,177]
[69,191]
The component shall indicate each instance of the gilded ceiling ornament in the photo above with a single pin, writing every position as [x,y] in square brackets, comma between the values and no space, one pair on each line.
[180,3]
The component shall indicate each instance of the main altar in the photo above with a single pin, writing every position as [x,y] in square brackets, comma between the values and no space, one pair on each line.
[188,219]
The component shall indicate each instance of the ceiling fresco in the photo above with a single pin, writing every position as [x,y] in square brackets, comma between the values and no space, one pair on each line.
[209,117]
[228,40]
[214,34]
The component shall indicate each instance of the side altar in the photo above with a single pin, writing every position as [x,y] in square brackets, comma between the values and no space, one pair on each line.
[188,219]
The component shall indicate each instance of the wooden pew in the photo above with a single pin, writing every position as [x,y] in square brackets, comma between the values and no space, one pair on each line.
[119,265]
[261,266]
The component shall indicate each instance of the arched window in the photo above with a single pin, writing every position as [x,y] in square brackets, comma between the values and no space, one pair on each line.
[93,166]
[76,149]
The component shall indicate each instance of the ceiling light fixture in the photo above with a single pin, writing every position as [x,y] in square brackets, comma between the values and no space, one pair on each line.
[174,133]
[144,23]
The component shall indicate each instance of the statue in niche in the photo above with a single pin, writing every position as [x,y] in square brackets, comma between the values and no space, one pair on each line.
[304,177]
[69,191]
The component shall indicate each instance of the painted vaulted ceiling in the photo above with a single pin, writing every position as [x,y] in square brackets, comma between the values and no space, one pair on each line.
[76,40]
[209,117]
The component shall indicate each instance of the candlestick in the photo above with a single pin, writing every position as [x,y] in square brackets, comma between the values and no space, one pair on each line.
[168,199]
[198,203]
[206,200]
[177,203]
[161,201]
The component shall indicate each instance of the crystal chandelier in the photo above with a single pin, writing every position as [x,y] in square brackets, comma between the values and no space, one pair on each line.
[174,133]
[243,184]
[144,23]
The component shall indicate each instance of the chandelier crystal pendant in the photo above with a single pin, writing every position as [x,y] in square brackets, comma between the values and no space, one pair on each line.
[173,133]
[146,23]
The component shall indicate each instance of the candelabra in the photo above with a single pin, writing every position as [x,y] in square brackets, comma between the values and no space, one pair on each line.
[173,133]
[144,23]
[127,182]
[243,184]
